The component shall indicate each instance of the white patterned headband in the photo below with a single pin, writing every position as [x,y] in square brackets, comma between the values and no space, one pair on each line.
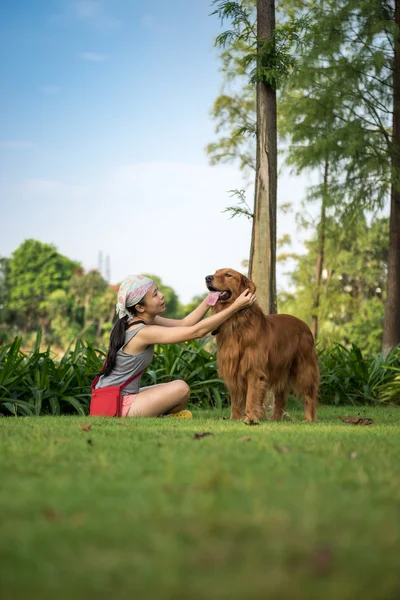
[131,291]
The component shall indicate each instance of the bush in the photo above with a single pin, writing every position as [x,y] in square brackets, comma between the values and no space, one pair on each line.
[348,377]
[37,384]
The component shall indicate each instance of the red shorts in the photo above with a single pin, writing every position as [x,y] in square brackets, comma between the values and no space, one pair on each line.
[126,404]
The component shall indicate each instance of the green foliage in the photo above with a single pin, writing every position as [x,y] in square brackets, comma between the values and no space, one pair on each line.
[35,270]
[352,288]
[267,61]
[37,384]
[241,208]
[349,377]
[60,297]
[195,363]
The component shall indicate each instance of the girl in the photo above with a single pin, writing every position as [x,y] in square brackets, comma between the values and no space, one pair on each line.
[132,340]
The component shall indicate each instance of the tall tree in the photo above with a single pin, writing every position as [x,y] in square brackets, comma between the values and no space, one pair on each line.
[348,70]
[262,50]
[262,266]
[391,329]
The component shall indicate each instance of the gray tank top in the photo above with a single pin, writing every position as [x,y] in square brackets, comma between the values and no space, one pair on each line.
[127,365]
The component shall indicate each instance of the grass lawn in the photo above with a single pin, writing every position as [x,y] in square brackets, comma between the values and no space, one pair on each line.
[140,509]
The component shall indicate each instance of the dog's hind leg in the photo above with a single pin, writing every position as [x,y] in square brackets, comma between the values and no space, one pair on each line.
[310,404]
[279,404]
[305,381]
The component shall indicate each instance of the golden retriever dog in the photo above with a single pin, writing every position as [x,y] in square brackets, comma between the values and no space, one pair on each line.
[257,353]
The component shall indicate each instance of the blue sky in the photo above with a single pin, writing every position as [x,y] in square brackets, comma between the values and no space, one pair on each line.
[104,116]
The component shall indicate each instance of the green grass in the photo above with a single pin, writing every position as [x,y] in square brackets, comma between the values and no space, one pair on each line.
[146,511]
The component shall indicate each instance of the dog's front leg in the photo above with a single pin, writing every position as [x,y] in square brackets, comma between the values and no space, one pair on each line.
[238,412]
[238,403]
[256,390]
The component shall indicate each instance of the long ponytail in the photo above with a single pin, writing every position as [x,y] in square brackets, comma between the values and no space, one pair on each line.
[117,340]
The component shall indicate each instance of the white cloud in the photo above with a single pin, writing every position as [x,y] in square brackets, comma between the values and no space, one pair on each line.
[93,56]
[90,11]
[16,144]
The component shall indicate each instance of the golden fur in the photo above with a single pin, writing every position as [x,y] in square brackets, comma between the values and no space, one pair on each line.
[258,353]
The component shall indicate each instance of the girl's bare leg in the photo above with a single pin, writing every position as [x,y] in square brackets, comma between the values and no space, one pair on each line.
[161,399]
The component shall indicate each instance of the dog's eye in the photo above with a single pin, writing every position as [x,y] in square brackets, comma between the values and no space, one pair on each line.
[228,275]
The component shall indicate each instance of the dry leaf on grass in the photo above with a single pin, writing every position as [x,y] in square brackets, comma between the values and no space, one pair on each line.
[284,449]
[198,436]
[86,427]
[353,455]
[322,561]
[247,438]
[356,420]
[78,518]
[51,513]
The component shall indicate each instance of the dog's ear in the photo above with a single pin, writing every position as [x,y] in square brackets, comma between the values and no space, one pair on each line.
[247,283]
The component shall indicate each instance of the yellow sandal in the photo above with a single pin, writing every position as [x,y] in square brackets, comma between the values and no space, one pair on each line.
[182,414]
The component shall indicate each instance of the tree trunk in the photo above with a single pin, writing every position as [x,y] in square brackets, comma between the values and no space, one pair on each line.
[44,321]
[320,256]
[85,310]
[100,324]
[263,240]
[391,328]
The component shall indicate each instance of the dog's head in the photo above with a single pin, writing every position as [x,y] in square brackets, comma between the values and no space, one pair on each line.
[229,284]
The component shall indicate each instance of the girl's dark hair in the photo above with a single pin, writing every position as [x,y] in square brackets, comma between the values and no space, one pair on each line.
[117,339]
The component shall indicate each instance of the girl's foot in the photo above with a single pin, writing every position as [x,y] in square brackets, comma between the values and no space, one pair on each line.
[182,414]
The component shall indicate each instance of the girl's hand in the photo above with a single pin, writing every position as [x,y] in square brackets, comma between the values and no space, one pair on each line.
[245,300]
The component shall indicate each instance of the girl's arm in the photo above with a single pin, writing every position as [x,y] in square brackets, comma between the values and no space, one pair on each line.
[154,334]
[191,319]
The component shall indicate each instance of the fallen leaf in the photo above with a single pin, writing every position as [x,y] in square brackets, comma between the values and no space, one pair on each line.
[78,518]
[284,449]
[356,420]
[89,442]
[86,427]
[51,514]
[322,561]
[353,455]
[198,436]
[247,438]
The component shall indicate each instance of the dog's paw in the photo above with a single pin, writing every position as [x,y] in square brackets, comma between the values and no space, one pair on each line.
[248,421]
